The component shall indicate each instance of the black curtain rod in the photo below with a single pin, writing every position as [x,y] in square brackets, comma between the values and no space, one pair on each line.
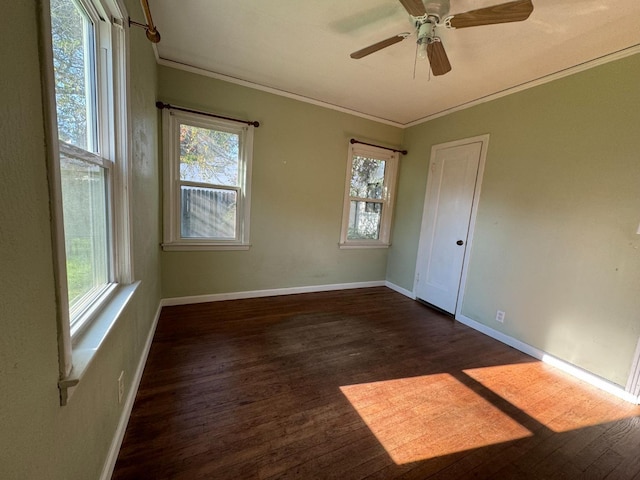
[161,105]
[353,140]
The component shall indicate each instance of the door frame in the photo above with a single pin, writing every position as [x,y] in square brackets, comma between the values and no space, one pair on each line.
[633,382]
[484,140]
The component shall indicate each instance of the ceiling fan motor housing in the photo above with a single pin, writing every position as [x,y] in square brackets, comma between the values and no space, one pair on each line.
[425,31]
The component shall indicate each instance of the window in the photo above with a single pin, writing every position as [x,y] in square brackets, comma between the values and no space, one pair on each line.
[87,79]
[84,89]
[369,195]
[207,182]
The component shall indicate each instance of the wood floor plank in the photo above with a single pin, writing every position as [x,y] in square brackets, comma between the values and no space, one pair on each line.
[360,384]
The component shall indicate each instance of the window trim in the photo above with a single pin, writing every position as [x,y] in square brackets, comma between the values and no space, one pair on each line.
[78,344]
[387,201]
[172,238]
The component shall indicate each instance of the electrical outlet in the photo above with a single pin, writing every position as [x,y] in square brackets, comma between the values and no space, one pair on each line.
[500,316]
[121,386]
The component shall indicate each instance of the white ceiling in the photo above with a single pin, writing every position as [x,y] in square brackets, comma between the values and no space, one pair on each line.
[301,48]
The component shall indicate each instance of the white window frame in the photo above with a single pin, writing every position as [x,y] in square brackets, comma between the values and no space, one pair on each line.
[388,196]
[80,336]
[173,240]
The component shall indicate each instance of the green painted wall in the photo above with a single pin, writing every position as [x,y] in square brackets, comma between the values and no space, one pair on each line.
[555,245]
[299,168]
[39,439]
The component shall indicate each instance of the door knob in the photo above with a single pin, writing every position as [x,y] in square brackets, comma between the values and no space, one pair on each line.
[459,242]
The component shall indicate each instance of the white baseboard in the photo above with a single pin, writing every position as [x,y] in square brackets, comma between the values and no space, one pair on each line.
[566,367]
[630,394]
[217,297]
[403,291]
[116,443]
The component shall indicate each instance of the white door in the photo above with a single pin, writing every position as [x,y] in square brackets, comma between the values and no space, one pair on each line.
[452,191]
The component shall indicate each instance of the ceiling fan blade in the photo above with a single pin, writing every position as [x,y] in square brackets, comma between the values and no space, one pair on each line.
[516,11]
[414,7]
[378,46]
[438,58]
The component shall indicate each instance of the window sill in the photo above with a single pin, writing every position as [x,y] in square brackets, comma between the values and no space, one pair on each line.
[89,342]
[176,246]
[348,246]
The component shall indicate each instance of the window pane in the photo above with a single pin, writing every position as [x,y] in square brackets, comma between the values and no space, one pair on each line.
[208,156]
[85,227]
[367,178]
[72,38]
[208,213]
[364,220]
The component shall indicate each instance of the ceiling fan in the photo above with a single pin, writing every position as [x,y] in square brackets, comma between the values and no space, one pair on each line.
[428,16]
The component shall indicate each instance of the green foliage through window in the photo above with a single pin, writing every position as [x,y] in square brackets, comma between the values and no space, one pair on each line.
[208,156]
[367,183]
[73,52]
[367,177]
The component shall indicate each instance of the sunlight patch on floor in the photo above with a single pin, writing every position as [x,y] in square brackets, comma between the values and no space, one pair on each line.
[425,417]
[550,397]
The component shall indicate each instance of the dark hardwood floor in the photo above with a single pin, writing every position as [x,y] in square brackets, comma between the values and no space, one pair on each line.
[361,384]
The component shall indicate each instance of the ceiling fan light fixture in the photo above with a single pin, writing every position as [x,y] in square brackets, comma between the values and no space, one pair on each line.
[425,32]
[422,50]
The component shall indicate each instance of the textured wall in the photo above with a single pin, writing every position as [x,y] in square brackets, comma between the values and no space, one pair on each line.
[299,167]
[38,438]
[555,245]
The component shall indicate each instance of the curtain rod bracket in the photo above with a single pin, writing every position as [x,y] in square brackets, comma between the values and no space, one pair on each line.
[353,140]
[152,34]
[162,105]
